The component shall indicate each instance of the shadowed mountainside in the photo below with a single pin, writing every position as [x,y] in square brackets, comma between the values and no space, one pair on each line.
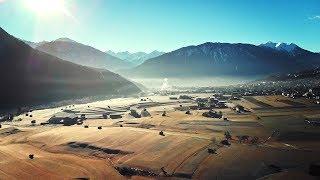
[31,77]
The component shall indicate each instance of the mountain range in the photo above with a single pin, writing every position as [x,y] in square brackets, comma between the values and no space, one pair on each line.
[89,56]
[136,58]
[227,59]
[29,76]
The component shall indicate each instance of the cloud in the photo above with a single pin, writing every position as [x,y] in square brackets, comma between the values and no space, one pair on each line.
[315,17]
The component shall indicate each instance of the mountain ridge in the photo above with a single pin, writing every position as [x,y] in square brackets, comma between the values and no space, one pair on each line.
[136,58]
[280,46]
[70,50]
[34,44]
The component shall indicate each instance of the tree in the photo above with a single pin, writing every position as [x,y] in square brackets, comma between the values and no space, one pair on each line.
[227,135]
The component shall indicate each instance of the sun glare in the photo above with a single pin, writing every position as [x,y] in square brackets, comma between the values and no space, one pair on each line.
[46,7]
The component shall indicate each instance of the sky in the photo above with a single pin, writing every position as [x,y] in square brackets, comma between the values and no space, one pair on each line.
[164,25]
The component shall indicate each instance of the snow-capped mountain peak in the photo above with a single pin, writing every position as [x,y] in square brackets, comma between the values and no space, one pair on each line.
[286,47]
[280,46]
[136,58]
[65,40]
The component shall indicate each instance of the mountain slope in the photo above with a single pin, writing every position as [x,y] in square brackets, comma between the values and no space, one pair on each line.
[219,59]
[78,53]
[306,74]
[31,77]
[135,58]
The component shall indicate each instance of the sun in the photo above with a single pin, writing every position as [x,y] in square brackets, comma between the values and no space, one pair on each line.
[46,7]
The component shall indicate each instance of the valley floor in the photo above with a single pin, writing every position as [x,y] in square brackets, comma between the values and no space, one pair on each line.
[133,148]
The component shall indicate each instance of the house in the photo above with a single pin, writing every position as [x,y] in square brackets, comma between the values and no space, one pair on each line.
[134,113]
[239,108]
[67,119]
[185,97]
[106,115]
[115,116]
[173,98]
[212,114]
[235,98]
[221,104]
[213,100]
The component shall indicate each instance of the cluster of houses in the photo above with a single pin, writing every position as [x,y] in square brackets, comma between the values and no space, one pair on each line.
[9,116]
[309,94]
[6,117]
[135,114]
[217,101]
[67,119]
[292,89]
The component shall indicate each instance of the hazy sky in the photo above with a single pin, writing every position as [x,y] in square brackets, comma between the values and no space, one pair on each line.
[146,25]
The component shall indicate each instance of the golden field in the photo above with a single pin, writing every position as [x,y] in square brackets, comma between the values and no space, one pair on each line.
[137,151]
